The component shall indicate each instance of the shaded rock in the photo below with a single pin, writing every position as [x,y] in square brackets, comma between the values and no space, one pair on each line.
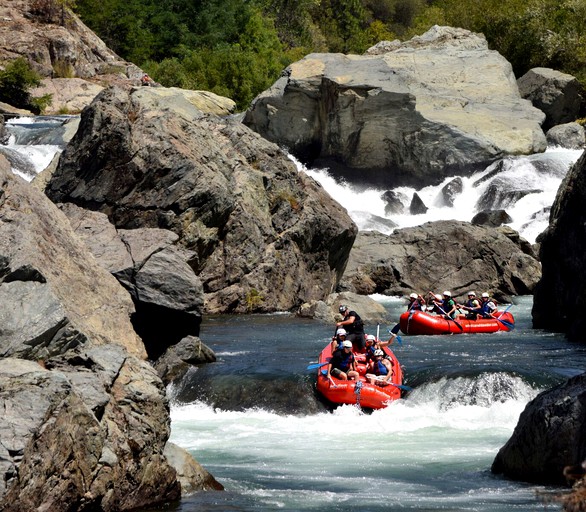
[395,202]
[568,135]
[449,192]
[440,104]
[371,311]
[491,218]
[548,437]
[559,297]
[496,260]
[261,236]
[559,95]
[177,359]
[417,205]
[167,294]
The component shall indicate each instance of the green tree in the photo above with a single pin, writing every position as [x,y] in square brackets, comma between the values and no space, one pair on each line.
[16,80]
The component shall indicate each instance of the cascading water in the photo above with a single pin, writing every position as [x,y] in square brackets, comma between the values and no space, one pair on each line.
[33,142]
[525,187]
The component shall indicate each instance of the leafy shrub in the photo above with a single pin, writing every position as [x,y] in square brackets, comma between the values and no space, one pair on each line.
[15,81]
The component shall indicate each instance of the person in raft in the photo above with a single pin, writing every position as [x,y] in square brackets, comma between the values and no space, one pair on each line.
[338,339]
[354,327]
[342,364]
[487,305]
[447,306]
[373,344]
[379,370]
[472,306]
[416,303]
[434,300]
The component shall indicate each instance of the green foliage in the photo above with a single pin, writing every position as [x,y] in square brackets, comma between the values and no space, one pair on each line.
[15,81]
[237,48]
[253,300]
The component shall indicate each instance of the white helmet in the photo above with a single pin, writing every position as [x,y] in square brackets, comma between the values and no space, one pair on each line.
[438,296]
[413,296]
[473,293]
[447,293]
[379,352]
[485,295]
[370,337]
[347,344]
[341,332]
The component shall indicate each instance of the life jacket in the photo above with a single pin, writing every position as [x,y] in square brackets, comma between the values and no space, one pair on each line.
[486,308]
[344,361]
[472,303]
[378,368]
[415,306]
[447,305]
[357,326]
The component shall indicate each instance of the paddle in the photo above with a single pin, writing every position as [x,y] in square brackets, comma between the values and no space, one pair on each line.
[450,318]
[506,323]
[397,337]
[400,386]
[314,366]
[324,373]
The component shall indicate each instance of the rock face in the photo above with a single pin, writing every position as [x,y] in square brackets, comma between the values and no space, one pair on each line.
[560,96]
[168,296]
[559,297]
[55,45]
[437,105]
[548,437]
[85,419]
[436,256]
[260,235]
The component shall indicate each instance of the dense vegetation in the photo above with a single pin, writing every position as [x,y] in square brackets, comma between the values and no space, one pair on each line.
[237,48]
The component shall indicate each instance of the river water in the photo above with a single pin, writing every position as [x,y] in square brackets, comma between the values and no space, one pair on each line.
[254,421]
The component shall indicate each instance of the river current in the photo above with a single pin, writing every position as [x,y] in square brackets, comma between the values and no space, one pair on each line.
[254,421]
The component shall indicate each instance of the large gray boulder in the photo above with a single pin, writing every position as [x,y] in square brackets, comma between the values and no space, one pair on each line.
[559,298]
[436,256]
[560,96]
[261,236]
[85,419]
[549,437]
[440,104]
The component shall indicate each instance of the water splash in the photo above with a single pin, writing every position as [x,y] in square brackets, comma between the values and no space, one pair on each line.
[524,186]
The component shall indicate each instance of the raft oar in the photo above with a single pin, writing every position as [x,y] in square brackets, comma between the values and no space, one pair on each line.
[397,337]
[314,366]
[506,323]
[448,317]
[400,386]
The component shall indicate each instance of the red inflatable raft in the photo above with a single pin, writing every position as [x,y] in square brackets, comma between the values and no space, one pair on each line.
[362,393]
[418,322]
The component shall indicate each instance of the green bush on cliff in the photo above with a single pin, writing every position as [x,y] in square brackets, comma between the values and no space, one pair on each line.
[16,80]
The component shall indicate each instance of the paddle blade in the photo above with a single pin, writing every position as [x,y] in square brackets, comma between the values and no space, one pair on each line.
[399,340]
[401,386]
[314,366]
[507,324]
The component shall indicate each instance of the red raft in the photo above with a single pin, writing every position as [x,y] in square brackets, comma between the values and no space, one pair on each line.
[419,322]
[362,393]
